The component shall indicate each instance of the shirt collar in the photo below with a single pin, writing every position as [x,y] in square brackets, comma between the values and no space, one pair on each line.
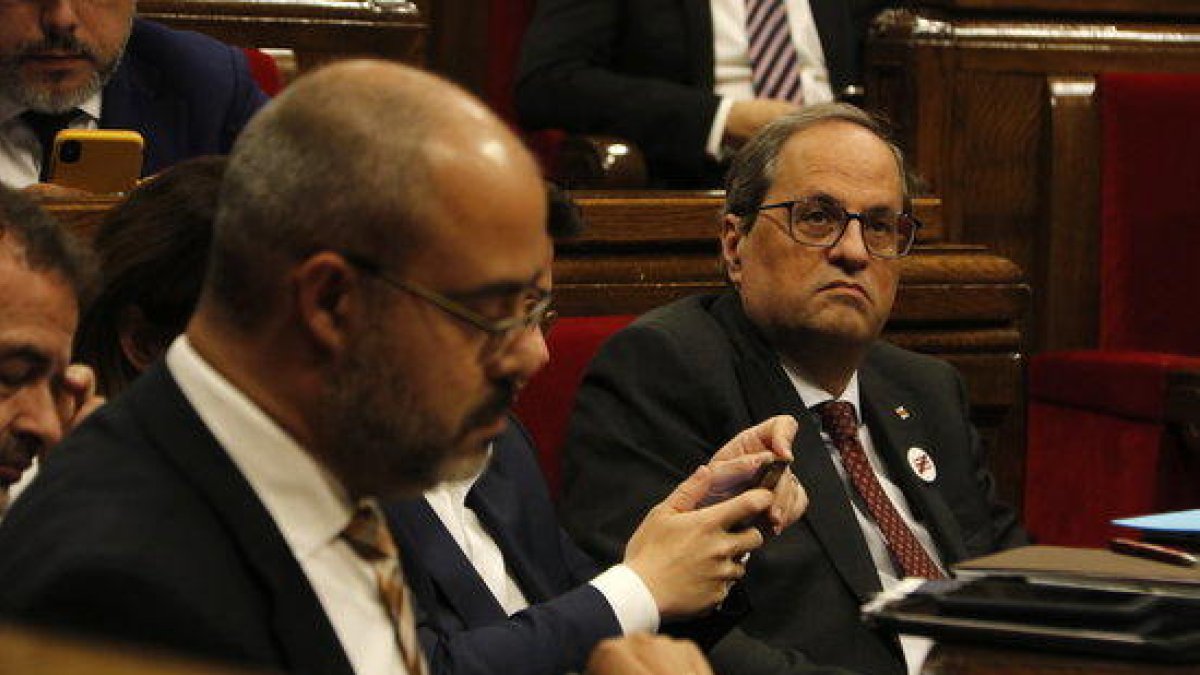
[307,503]
[455,491]
[812,395]
[90,107]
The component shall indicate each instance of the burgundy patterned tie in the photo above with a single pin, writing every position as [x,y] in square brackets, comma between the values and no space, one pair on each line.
[840,421]
[773,57]
[368,535]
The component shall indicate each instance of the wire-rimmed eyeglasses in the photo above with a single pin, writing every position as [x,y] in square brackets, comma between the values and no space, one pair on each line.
[822,223]
[534,308]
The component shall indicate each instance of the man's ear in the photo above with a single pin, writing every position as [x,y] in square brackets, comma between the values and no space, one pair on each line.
[326,289]
[731,242]
[141,342]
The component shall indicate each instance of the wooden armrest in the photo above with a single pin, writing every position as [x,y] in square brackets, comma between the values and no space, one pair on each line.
[601,162]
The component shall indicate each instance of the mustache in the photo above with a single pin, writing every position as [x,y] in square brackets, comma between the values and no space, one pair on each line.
[499,403]
[57,42]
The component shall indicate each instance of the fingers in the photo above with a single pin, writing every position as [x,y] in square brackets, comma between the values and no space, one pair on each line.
[690,492]
[790,502]
[731,512]
[774,435]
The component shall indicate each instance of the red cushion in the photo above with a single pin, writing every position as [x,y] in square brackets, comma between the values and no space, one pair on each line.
[1084,468]
[265,71]
[1150,232]
[545,404]
[1129,384]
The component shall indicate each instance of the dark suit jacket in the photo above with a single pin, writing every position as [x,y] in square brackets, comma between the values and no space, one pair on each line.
[140,528]
[463,628]
[668,391]
[188,94]
[643,70]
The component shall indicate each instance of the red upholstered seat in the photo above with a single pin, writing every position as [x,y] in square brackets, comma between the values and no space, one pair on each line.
[545,404]
[265,71]
[1098,445]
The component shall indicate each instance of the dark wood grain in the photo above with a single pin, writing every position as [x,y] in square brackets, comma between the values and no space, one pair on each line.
[317,31]
[976,90]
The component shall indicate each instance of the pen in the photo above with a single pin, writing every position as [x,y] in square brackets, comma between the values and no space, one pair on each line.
[1157,552]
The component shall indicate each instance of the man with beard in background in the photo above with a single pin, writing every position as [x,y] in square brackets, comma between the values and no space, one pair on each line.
[88,64]
[43,274]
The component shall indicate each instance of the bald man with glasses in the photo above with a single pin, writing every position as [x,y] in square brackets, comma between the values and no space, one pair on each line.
[815,221]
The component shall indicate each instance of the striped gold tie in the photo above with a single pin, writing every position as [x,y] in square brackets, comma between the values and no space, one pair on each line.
[368,535]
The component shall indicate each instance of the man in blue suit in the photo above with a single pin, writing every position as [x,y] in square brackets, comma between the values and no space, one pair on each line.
[500,588]
[91,64]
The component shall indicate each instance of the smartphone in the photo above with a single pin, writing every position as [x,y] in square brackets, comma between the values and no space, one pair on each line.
[97,160]
[765,476]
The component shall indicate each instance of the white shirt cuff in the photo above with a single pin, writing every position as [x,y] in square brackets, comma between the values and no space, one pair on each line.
[714,147]
[629,598]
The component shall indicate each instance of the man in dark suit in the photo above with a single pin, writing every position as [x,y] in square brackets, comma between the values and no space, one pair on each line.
[93,65]
[376,250]
[815,219]
[673,77]
[503,589]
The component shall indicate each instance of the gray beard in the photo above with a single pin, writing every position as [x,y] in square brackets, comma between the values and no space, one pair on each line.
[38,99]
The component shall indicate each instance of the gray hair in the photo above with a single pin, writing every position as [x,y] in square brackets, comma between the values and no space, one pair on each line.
[754,167]
[335,162]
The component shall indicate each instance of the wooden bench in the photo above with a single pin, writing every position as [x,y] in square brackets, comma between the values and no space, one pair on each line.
[643,249]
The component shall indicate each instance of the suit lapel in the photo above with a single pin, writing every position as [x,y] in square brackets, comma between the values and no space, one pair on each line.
[135,99]
[426,540]
[894,435]
[494,501]
[305,636]
[768,392]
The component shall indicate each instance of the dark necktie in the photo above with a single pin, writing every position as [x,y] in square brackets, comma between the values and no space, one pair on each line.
[368,535]
[773,58]
[45,127]
[840,421]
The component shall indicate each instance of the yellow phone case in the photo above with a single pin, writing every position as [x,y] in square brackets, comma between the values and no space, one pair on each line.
[97,160]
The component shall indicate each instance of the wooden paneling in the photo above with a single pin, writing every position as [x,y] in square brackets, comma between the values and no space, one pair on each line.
[960,659]
[317,31]
[643,249]
[986,95]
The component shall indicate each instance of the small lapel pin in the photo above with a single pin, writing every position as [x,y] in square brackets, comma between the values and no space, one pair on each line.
[922,464]
[902,412]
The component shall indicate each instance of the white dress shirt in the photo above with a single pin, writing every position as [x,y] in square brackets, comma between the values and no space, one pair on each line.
[733,76]
[915,648]
[308,505]
[20,153]
[624,590]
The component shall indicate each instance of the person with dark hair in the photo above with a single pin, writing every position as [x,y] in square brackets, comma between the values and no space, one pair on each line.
[816,220]
[378,274]
[44,276]
[153,251]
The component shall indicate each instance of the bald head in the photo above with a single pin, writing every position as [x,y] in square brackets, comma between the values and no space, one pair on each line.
[349,158]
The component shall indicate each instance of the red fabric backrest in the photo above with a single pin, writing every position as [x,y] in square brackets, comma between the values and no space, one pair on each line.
[264,70]
[1150,236]
[544,405]
[507,21]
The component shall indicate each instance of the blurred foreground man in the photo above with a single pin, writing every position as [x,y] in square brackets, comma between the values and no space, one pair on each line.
[42,279]
[87,64]
[372,305]
[816,217]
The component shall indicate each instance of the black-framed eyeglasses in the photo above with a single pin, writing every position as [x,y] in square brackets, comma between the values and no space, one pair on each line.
[534,309]
[822,223]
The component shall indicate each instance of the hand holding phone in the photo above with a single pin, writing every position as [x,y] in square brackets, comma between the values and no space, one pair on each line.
[733,477]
